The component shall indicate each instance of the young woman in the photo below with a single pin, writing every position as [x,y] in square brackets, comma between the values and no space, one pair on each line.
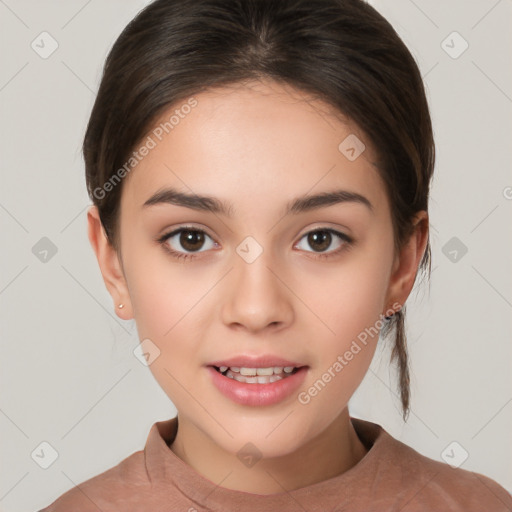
[260,173]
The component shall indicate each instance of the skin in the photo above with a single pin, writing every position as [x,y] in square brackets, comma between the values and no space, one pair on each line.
[258,146]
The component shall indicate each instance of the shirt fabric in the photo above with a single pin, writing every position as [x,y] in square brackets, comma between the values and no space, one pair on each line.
[390,477]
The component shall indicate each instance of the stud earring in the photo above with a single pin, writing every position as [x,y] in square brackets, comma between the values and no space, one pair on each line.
[390,316]
[121,306]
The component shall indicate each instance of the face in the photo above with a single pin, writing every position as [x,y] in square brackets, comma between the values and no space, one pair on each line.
[252,279]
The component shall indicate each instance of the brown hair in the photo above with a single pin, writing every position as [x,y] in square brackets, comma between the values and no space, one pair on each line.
[340,51]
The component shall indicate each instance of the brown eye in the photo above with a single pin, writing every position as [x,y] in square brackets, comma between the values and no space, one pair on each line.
[320,240]
[184,242]
[191,240]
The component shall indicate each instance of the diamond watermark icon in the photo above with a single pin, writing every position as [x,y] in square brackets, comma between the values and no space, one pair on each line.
[249,455]
[146,352]
[44,455]
[44,45]
[249,249]
[454,454]
[454,249]
[454,45]
[351,147]
[44,249]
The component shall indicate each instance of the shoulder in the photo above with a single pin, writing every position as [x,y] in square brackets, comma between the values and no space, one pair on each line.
[427,484]
[127,479]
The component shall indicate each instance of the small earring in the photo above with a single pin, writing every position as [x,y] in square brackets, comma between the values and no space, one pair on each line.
[121,306]
[390,316]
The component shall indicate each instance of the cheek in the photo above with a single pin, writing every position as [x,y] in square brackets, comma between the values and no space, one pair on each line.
[173,306]
[349,299]
[349,296]
[163,293]
[169,308]
[350,304]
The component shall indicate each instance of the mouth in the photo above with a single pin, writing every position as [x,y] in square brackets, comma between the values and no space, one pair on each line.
[263,382]
[260,375]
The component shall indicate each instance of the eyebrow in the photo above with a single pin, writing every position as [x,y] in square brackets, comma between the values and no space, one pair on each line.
[214,205]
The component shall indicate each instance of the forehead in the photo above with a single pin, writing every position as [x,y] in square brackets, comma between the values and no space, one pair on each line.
[259,137]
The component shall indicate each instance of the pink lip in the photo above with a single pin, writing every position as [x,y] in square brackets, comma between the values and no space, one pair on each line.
[258,394]
[265,361]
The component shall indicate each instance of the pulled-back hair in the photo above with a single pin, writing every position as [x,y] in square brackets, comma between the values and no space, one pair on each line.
[340,51]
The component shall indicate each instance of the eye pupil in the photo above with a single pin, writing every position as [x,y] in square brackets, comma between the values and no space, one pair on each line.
[324,237]
[189,239]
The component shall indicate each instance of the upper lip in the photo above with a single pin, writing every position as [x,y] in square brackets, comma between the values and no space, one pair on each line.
[264,361]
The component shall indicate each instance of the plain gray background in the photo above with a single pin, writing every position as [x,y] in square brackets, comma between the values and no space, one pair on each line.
[68,374]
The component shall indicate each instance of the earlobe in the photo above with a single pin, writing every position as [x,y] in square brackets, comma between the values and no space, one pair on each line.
[109,263]
[405,266]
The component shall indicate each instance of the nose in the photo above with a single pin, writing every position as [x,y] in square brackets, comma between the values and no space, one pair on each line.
[256,297]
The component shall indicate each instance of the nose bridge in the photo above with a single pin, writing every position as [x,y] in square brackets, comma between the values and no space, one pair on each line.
[256,297]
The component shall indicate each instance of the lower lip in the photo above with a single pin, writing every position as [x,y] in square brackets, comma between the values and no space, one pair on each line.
[258,394]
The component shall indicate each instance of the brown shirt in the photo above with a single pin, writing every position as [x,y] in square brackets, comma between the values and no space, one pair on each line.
[390,477]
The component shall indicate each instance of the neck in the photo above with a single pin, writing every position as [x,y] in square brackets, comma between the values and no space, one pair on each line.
[331,453]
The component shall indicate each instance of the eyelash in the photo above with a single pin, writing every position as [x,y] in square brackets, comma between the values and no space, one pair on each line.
[348,241]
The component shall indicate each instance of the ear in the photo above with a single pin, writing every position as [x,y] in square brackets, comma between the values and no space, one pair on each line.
[110,264]
[406,263]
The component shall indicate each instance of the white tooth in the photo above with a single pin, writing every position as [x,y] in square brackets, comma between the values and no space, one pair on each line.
[235,369]
[264,371]
[288,369]
[223,369]
[247,371]
[258,379]
[278,369]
